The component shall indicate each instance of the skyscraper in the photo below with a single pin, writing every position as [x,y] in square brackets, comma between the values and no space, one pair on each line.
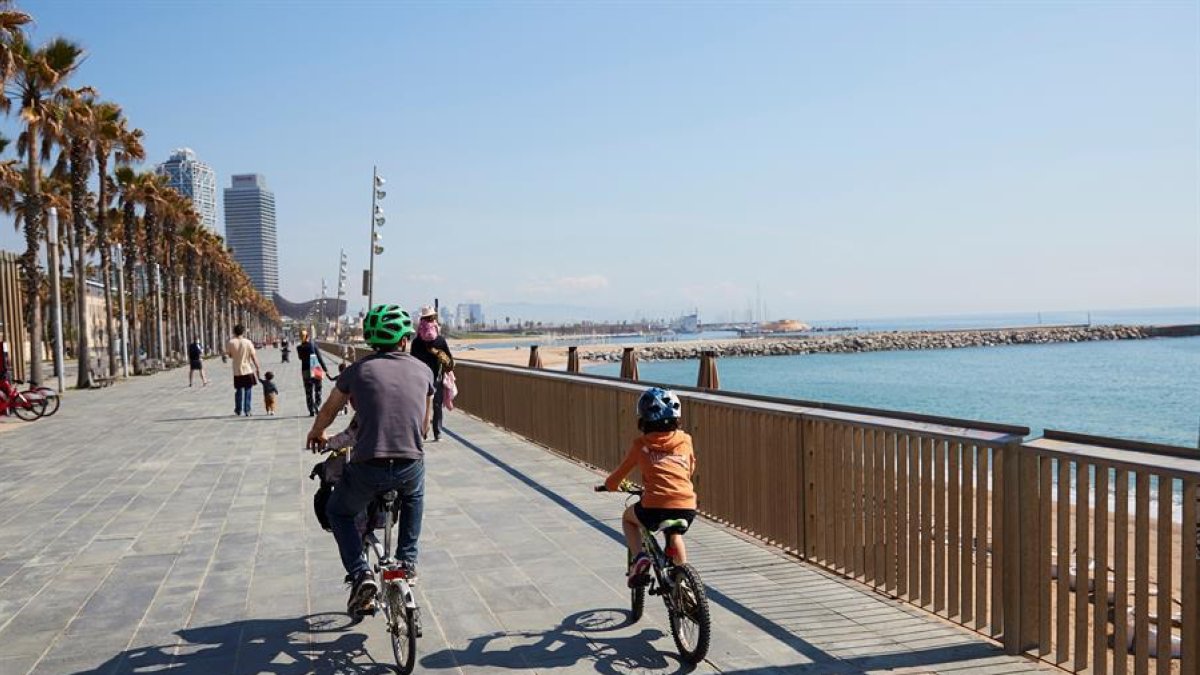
[250,231]
[195,180]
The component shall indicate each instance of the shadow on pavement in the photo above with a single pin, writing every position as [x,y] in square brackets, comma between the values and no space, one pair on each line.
[318,643]
[579,639]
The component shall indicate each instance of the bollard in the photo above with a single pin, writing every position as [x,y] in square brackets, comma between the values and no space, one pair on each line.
[535,359]
[573,359]
[629,367]
[708,378]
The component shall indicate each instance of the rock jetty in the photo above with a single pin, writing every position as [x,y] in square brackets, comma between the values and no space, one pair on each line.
[875,342]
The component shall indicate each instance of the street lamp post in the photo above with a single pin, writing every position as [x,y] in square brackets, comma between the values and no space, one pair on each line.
[55,293]
[337,325]
[124,322]
[377,220]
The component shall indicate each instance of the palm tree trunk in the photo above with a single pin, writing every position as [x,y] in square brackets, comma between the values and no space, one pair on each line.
[79,216]
[33,235]
[102,243]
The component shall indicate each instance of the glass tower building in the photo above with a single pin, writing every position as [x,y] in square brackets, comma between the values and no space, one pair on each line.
[250,231]
[195,180]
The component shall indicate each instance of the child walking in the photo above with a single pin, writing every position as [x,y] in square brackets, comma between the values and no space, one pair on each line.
[664,455]
[270,392]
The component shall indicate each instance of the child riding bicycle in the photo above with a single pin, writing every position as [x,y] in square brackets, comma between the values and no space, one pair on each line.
[663,453]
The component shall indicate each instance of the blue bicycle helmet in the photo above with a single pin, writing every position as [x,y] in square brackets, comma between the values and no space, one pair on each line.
[657,404]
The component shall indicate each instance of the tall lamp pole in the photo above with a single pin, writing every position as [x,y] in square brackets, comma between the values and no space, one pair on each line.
[124,322]
[377,220]
[337,325]
[55,293]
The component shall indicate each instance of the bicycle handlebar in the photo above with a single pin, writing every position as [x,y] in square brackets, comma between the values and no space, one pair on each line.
[628,490]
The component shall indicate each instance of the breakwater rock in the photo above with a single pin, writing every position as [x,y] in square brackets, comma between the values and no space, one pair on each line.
[876,342]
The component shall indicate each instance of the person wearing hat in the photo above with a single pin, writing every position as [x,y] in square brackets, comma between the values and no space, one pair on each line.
[430,347]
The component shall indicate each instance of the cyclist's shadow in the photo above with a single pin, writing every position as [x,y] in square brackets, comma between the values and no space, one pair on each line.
[318,643]
[579,638]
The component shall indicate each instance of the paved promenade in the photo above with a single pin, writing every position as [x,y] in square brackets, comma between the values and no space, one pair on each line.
[146,529]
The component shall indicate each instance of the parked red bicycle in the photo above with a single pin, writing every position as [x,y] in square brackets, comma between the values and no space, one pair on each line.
[27,405]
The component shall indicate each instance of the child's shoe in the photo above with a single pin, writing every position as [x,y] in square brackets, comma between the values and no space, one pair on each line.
[637,570]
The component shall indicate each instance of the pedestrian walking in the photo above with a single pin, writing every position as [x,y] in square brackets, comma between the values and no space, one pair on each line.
[285,349]
[312,371]
[196,362]
[244,360]
[270,392]
[430,347]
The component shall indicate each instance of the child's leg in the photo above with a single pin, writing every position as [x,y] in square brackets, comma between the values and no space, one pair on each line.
[676,549]
[633,531]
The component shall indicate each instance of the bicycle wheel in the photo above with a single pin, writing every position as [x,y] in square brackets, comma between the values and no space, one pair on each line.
[28,409]
[637,602]
[688,607]
[51,397]
[400,627]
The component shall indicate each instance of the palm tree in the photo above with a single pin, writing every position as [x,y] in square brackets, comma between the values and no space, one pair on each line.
[112,137]
[127,184]
[76,111]
[37,74]
[10,27]
[148,191]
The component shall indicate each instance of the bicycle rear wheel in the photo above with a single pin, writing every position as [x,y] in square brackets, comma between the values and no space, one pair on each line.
[401,629]
[637,602]
[688,608]
[27,408]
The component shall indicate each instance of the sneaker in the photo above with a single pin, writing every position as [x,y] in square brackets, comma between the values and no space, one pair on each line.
[410,573]
[362,593]
[637,570]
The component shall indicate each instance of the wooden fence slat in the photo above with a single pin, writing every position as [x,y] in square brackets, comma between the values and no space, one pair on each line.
[1163,578]
[882,500]
[982,537]
[890,556]
[1121,573]
[938,538]
[999,546]
[856,503]
[953,569]
[902,526]
[1062,551]
[1046,536]
[1141,575]
[1189,565]
[1100,651]
[1082,553]
[970,548]
[914,520]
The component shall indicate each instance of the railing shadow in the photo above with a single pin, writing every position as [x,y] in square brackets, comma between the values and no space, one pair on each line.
[578,640]
[318,643]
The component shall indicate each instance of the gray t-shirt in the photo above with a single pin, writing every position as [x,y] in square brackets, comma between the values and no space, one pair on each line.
[389,390]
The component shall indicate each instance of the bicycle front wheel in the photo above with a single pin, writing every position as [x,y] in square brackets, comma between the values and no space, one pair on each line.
[401,629]
[688,607]
[28,408]
[50,396]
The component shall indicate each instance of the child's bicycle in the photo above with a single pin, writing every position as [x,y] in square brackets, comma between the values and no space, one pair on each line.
[395,595]
[680,588]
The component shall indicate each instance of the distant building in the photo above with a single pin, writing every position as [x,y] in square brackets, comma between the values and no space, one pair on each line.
[469,315]
[250,231]
[196,181]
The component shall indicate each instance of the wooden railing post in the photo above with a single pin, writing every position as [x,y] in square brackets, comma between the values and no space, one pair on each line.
[535,359]
[573,359]
[1017,571]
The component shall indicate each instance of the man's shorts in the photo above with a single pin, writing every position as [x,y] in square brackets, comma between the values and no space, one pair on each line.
[196,365]
[652,518]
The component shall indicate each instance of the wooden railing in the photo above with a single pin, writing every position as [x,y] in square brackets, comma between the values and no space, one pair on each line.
[12,314]
[957,517]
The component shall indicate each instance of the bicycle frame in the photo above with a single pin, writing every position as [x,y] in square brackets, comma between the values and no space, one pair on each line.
[390,569]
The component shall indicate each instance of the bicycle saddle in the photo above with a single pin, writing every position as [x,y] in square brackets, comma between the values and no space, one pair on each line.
[675,524]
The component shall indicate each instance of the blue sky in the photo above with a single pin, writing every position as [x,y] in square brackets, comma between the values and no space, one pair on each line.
[849,159]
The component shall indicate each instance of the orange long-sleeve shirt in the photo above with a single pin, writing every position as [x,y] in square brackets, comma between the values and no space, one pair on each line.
[667,462]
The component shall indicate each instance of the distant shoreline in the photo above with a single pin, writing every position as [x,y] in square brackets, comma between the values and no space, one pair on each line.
[555,357]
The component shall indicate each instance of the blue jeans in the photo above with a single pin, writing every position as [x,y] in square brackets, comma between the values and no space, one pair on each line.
[359,485]
[241,400]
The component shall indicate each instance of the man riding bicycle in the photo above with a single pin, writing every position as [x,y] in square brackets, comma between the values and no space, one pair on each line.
[393,398]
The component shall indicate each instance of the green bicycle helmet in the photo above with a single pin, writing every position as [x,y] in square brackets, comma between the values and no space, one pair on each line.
[386,325]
